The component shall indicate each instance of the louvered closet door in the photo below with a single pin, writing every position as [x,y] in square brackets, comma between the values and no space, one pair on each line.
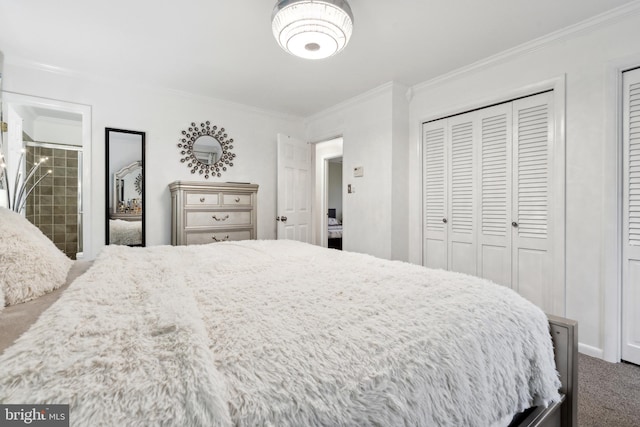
[461,194]
[631,218]
[532,222]
[434,173]
[494,198]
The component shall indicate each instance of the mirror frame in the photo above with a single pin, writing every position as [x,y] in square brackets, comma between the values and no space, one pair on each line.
[109,180]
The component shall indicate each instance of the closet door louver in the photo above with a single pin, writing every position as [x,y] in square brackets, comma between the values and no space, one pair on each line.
[461,194]
[633,166]
[494,251]
[631,218]
[434,154]
[532,229]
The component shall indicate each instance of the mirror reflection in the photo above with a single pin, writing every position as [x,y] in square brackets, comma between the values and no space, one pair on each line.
[125,187]
[207,150]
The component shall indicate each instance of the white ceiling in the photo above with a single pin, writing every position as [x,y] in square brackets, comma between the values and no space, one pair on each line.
[225,49]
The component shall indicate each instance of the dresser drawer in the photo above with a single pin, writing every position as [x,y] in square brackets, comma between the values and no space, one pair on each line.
[204,212]
[236,199]
[219,219]
[202,199]
[204,237]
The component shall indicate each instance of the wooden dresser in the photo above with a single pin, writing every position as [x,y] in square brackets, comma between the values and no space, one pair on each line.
[203,212]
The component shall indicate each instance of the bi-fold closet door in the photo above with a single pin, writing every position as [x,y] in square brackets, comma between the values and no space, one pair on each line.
[487,182]
[631,218]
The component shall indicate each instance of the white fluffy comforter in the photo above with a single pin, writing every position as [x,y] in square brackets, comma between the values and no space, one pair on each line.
[280,333]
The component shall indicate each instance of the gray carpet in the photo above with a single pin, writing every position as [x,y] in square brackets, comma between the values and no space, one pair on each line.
[608,393]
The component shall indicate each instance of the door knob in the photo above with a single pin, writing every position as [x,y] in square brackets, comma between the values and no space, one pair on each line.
[283,218]
[444,220]
[514,224]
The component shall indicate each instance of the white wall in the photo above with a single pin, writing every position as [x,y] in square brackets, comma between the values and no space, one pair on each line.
[400,172]
[162,115]
[374,130]
[584,58]
[365,125]
[58,131]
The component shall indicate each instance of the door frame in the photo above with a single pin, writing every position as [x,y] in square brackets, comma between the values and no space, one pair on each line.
[85,209]
[612,208]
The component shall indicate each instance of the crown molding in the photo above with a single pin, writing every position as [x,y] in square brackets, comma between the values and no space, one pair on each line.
[70,73]
[589,24]
[371,93]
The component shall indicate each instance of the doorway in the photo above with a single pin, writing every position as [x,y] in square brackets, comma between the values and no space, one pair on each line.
[46,142]
[329,214]
[333,174]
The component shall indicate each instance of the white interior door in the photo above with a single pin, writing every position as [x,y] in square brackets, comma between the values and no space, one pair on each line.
[532,210]
[434,185]
[631,218]
[494,228]
[294,191]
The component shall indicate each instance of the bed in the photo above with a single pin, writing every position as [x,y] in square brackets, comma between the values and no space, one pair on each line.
[245,333]
[334,230]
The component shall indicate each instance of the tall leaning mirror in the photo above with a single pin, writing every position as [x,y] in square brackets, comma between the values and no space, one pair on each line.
[125,223]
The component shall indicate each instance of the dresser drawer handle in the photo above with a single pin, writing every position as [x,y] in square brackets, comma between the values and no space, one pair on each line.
[201,199]
[237,199]
[221,219]
[224,239]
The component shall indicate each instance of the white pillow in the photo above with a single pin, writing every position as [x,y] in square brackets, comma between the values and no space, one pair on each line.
[333,221]
[30,264]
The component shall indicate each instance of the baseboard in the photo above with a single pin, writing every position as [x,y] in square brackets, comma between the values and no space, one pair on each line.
[591,351]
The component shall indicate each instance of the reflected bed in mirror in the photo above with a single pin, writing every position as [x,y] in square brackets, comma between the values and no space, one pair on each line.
[125,223]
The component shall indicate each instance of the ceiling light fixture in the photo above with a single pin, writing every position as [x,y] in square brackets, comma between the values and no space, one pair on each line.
[312,29]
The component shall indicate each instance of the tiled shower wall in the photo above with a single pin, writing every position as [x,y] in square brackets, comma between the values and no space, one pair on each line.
[53,204]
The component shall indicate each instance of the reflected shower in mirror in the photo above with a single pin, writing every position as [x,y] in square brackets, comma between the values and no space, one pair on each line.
[125,187]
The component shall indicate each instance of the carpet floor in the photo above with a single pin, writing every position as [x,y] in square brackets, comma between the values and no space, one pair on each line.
[608,393]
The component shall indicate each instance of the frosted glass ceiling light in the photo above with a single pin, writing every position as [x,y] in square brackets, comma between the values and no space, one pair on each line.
[312,29]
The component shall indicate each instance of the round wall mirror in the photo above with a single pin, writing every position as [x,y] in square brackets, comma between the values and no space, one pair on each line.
[206,149]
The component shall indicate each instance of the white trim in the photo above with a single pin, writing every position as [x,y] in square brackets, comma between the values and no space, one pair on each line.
[611,266]
[85,112]
[590,351]
[606,18]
